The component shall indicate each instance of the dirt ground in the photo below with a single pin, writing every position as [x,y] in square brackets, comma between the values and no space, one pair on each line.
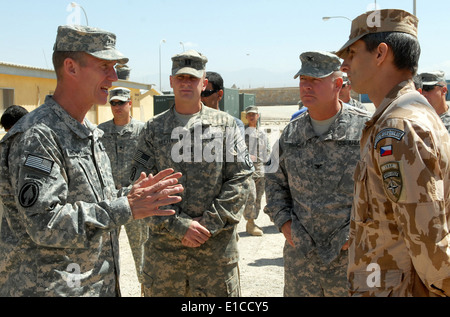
[261,262]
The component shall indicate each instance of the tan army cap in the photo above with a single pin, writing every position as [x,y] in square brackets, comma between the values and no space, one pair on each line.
[387,20]
[318,64]
[96,42]
[189,63]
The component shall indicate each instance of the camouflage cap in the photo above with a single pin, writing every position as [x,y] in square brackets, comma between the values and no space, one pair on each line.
[251,109]
[318,64]
[386,20]
[189,63]
[433,78]
[96,42]
[119,93]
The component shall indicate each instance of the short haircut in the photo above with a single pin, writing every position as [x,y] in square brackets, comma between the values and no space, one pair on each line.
[215,79]
[11,115]
[405,47]
[59,58]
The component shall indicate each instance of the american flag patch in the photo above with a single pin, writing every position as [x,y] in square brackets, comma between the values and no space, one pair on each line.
[141,157]
[39,163]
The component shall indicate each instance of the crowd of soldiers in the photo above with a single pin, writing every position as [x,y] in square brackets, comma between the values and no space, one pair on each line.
[362,199]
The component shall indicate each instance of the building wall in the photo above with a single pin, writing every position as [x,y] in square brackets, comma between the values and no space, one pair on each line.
[32,85]
[274,96]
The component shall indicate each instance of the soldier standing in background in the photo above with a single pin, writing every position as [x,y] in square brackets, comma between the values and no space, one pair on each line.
[346,94]
[61,208]
[309,197]
[11,115]
[259,151]
[195,251]
[434,88]
[120,138]
[399,232]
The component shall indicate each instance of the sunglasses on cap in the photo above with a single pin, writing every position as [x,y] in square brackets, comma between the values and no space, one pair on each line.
[117,103]
[207,93]
[430,87]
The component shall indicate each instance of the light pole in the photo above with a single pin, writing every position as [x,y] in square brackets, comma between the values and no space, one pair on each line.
[160,43]
[74,4]
[335,17]
[182,44]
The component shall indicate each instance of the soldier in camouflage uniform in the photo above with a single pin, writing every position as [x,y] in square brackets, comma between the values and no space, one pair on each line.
[309,197]
[120,139]
[61,208]
[194,252]
[399,232]
[346,96]
[259,151]
[434,88]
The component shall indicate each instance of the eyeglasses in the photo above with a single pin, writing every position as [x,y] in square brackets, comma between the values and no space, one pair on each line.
[207,93]
[430,87]
[117,103]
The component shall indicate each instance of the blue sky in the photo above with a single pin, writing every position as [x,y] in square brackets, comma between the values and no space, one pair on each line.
[252,43]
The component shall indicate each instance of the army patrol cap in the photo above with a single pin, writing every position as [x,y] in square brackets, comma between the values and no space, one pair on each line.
[318,64]
[387,20]
[251,109]
[189,63]
[119,93]
[96,42]
[433,78]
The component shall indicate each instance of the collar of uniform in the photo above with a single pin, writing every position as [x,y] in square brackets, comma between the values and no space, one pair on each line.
[399,90]
[170,119]
[82,131]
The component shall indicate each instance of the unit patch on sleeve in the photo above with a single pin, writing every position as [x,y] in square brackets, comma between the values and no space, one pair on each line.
[388,133]
[28,194]
[392,180]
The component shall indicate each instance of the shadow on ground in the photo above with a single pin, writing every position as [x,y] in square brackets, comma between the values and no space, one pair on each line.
[268,262]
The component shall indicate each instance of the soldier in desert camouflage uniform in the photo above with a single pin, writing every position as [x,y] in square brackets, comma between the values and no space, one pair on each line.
[309,198]
[194,252]
[120,139]
[61,208]
[399,233]
[434,88]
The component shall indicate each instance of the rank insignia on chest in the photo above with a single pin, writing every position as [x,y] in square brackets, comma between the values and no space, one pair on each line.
[392,180]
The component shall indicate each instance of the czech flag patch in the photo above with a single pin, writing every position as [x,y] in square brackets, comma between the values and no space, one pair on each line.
[386,150]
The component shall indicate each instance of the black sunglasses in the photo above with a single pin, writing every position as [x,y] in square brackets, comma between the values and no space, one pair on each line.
[430,87]
[207,93]
[117,103]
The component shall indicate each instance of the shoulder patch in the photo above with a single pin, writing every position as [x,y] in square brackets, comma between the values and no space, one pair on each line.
[392,180]
[28,194]
[141,158]
[388,133]
[39,163]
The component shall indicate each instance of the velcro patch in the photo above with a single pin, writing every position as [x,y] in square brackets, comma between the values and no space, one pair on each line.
[39,163]
[28,194]
[386,150]
[392,180]
[388,133]
[142,158]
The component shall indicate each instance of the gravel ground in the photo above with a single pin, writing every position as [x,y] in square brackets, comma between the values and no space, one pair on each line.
[261,262]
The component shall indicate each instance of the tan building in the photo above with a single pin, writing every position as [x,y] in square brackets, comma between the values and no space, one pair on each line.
[27,86]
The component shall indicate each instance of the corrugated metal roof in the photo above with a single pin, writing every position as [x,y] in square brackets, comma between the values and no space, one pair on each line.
[27,71]
[30,71]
